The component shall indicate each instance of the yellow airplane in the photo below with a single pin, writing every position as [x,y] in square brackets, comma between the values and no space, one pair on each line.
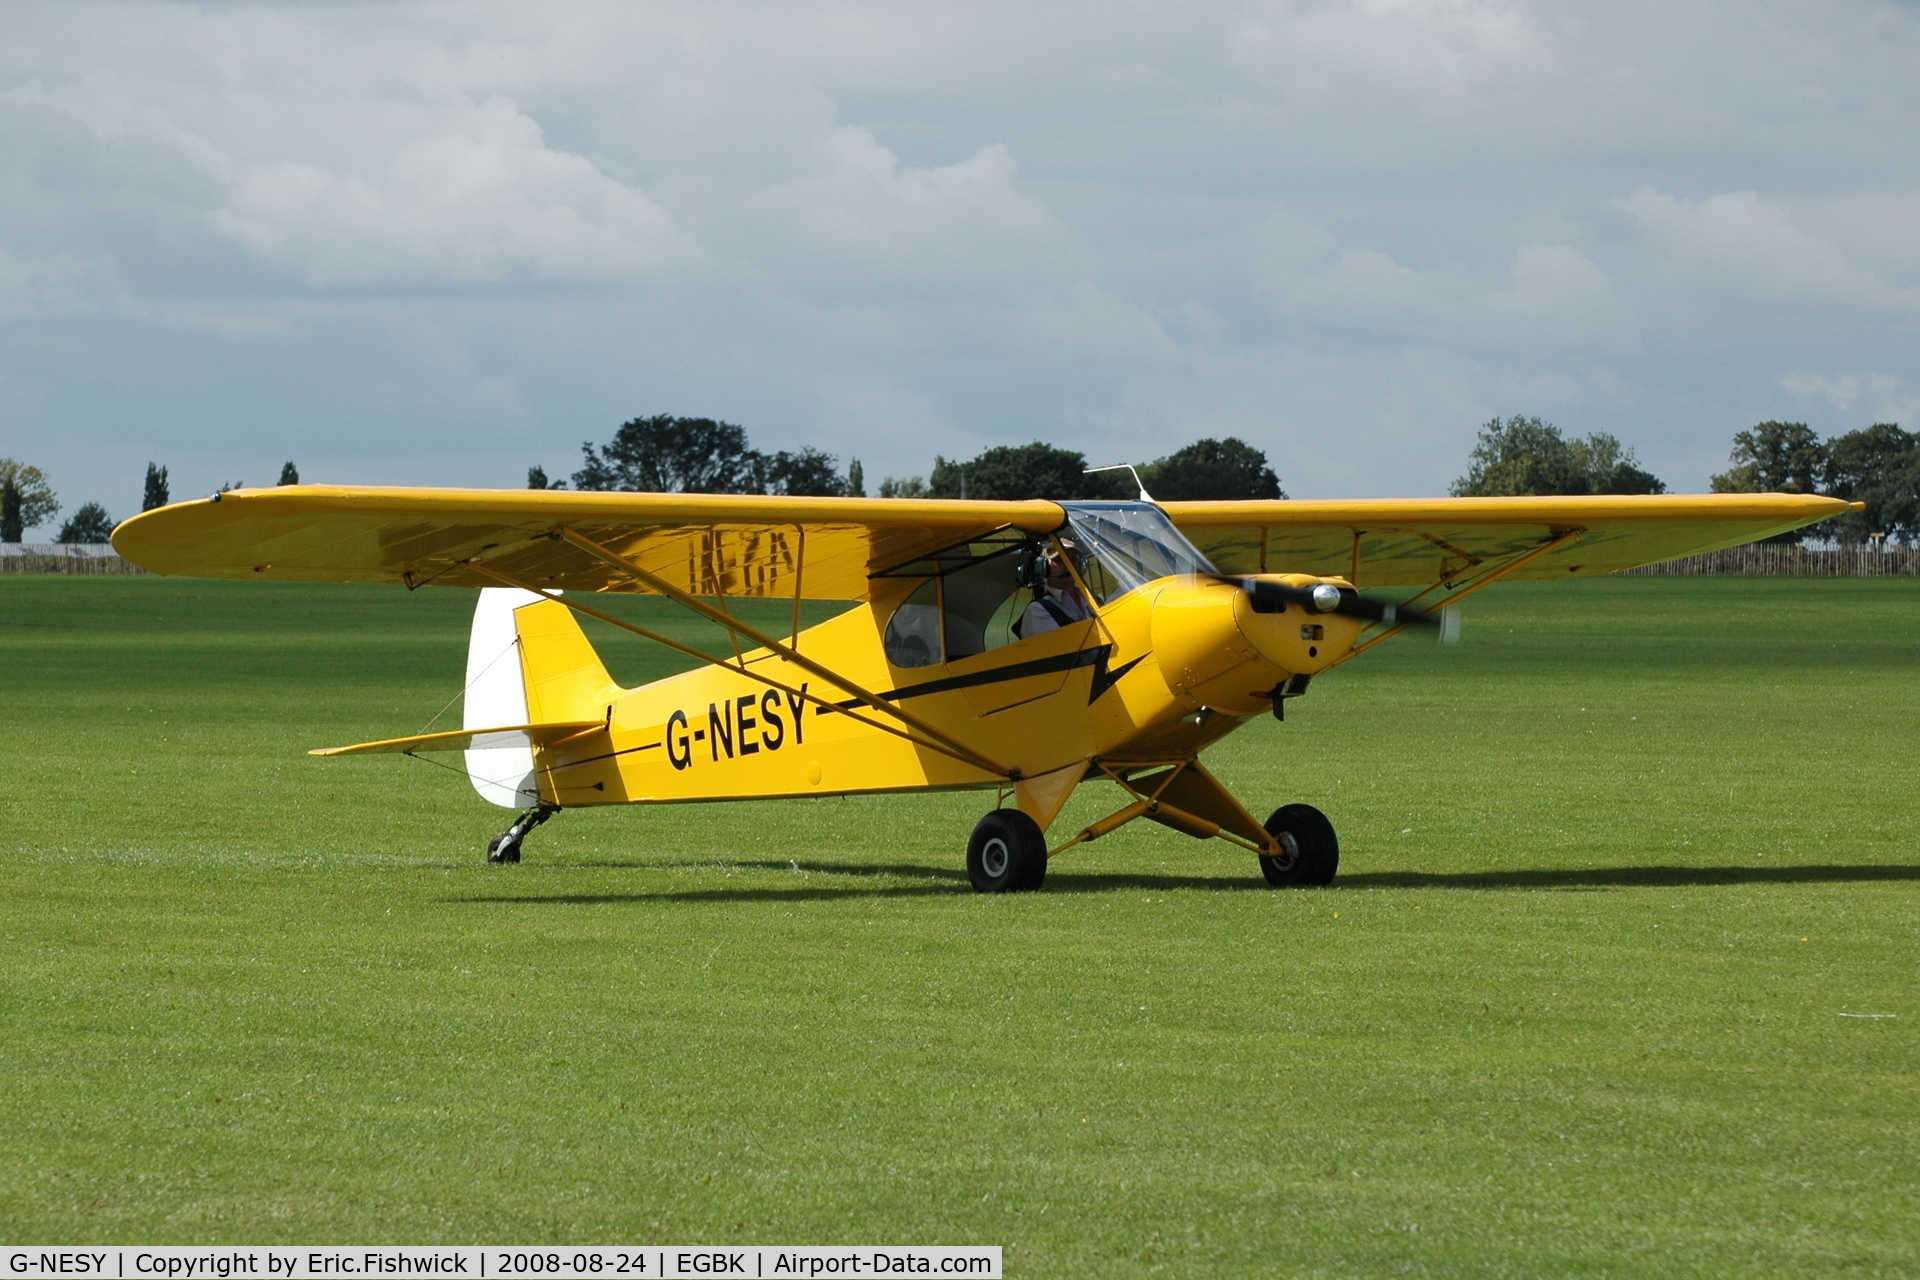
[1015,647]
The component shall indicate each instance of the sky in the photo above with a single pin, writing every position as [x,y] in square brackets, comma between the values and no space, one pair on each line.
[439,243]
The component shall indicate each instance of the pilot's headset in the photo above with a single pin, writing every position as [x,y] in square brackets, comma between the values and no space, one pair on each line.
[1036,557]
[1030,567]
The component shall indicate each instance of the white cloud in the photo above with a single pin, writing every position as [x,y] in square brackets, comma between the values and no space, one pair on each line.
[491,202]
[58,284]
[1309,277]
[864,224]
[1752,248]
[1879,230]
[1560,296]
[1440,53]
[1880,396]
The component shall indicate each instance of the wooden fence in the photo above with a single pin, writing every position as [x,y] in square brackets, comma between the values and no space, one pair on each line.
[1759,560]
[54,557]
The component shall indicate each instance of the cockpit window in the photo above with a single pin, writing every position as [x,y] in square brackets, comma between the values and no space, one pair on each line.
[970,598]
[913,633]
[1129,545]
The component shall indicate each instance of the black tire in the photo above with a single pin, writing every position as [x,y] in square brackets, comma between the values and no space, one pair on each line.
[503,848]
[1316,848]
[1007,853]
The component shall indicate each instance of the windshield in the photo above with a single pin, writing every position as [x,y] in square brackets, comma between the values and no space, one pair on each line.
[1130,545]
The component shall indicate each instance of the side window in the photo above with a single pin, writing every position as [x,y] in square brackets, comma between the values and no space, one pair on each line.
[913,633]
[982,603]
[1105,587]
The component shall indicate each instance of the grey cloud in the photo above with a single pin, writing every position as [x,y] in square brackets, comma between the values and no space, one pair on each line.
[435,242]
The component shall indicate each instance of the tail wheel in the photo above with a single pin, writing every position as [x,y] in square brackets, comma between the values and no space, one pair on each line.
[1312,850]
[505,847]
[1007,854]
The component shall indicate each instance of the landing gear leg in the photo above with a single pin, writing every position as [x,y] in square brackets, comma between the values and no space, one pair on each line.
[505,847]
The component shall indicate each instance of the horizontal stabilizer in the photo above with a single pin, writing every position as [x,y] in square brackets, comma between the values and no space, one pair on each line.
[518,735]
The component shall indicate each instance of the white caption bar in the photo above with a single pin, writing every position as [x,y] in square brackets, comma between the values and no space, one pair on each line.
[497,1262]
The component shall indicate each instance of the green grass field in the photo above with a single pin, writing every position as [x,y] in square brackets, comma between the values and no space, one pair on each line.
[1612,870]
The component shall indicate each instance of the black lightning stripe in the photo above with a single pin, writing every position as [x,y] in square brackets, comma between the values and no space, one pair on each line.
[575,764]
[1104,680]
[1095,657]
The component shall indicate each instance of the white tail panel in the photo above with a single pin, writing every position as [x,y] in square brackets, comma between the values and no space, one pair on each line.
[497,695]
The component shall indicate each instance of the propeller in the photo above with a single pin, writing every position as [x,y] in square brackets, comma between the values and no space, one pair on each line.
[1274,597]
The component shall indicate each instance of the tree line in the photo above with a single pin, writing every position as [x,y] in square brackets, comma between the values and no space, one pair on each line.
[667,454]
[27,500]
[1525,456]
[1878,465]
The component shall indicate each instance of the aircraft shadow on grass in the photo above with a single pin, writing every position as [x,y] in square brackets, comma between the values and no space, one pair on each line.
[940,880]
[1630,877]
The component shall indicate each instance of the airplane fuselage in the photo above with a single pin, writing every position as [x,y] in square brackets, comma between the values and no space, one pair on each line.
[1158,674]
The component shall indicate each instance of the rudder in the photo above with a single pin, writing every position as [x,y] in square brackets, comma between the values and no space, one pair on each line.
[528,662]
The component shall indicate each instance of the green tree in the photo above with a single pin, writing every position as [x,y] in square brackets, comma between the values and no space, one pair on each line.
[90,524]
[1879,466]
[1018,472]
[289,474]
[156,493]
[1525,456]
[665,454]
[1774,457]
[856,479]
[33,497]
[808,473]
[910,487]
[1219,470]
[11,528]
[1611,467]
[537,479]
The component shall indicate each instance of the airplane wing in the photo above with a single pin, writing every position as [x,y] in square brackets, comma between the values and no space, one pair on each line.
[706,544]
[1423,541]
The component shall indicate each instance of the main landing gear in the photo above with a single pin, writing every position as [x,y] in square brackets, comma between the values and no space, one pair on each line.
[1008,853]
[1312,850]
[505,847]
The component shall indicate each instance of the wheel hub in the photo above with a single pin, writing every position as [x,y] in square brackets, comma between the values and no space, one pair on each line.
[994,857]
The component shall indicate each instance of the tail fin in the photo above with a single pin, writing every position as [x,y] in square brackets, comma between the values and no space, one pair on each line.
[528,663]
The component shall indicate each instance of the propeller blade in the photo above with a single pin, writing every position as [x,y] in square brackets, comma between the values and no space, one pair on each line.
[1274,597]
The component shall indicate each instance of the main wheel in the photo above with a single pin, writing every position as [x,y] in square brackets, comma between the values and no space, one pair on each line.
[1313,850]
[1008,853]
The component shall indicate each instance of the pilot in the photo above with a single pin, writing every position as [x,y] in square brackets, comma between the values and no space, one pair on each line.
[1058,605]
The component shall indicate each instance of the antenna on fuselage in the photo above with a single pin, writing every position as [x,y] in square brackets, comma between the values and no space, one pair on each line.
[1128,468]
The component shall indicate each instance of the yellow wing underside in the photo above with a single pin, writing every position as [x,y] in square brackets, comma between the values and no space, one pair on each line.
[704,544]
[827,548]
[1422,541]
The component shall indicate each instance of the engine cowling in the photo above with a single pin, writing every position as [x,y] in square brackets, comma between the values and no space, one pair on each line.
[1215,650]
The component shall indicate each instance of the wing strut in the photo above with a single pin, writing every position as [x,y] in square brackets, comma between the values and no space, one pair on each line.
[711,660]
[1484,580]
[953,747]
